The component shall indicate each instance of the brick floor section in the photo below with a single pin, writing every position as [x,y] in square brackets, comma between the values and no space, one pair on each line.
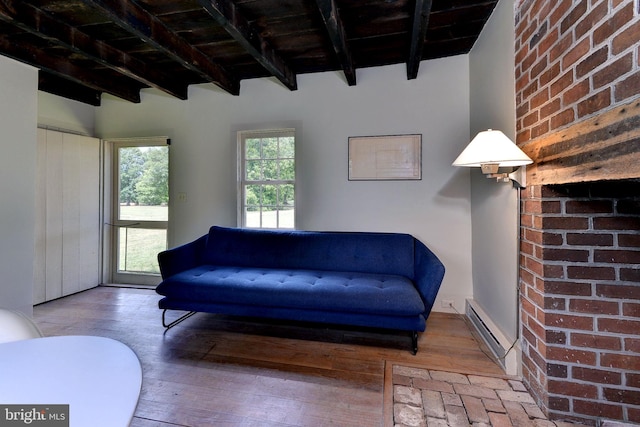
[428,398]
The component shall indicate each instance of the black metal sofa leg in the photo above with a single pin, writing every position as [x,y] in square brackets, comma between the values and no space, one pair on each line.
[175,322]
[414,342]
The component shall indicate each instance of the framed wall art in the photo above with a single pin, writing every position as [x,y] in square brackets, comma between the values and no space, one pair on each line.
[388,157]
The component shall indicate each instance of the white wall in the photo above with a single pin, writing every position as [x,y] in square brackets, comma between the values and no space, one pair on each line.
[65,115]
[325,112]
[494,206]
[18,113]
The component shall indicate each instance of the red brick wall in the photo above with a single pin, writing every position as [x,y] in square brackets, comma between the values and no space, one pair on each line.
[580,250]
[580,294]
[573,60]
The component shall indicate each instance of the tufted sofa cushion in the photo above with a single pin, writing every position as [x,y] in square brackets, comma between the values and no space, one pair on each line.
[383,253]
[304,289]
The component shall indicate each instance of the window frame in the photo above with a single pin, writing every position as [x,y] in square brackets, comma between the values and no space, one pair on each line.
[243,182]
[112,147]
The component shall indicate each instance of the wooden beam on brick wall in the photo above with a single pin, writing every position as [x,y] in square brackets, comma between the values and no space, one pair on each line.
[605,147]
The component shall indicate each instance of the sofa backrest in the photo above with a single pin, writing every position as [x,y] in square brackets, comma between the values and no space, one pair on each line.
[384,253]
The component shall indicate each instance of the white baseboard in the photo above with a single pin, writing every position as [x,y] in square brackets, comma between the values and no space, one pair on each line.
[505,351]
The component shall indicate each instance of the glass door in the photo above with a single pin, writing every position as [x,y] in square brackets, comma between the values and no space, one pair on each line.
[140,210]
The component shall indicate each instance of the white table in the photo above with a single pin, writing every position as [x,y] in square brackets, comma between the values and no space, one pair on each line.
[99,378]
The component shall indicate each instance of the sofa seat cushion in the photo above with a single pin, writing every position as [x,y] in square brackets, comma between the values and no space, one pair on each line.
[305,289]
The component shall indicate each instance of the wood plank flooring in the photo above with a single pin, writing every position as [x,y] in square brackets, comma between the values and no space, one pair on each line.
[218,371]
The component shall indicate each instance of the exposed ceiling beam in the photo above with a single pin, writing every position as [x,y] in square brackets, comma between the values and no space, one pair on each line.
[134,19]
[226,14]
[35,21]
[334,25]
[418,34]
[67,89]
[123,46]
[62,67]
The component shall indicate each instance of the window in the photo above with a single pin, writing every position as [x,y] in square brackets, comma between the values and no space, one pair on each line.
[140,200]
[267,178]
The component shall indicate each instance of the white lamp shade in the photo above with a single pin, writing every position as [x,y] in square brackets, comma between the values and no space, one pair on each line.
[492,147]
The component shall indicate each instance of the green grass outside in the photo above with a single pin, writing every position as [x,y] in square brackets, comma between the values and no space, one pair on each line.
[139,247]
[144,213]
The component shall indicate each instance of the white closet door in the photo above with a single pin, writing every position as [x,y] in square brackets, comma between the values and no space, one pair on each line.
[90,224]
[39,265]
[54,217]
[71,201]
[81,210]
[67,216]
[81,226]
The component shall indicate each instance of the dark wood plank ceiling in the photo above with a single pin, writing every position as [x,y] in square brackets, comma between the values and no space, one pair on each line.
[84,48]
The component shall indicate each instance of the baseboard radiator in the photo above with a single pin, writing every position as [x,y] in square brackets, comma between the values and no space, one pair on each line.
[491,335]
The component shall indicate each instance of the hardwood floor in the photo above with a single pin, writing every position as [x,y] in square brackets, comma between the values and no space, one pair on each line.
[217,371]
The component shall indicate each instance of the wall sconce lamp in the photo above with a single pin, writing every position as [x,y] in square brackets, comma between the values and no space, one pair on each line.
[492,151]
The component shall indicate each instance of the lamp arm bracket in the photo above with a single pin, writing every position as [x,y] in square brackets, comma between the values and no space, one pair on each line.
[518,176]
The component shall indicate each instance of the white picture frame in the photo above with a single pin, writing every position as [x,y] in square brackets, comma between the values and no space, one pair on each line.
[385,157]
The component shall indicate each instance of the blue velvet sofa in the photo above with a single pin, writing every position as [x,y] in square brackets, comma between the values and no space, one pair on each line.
[379,280]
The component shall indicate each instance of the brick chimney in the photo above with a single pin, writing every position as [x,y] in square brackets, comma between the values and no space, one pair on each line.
[578,117]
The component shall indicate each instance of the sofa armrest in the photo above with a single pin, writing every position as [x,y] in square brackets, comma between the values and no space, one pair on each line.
[428,274]
[181,258]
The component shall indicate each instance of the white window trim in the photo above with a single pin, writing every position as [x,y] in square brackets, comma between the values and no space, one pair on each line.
[241,136]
